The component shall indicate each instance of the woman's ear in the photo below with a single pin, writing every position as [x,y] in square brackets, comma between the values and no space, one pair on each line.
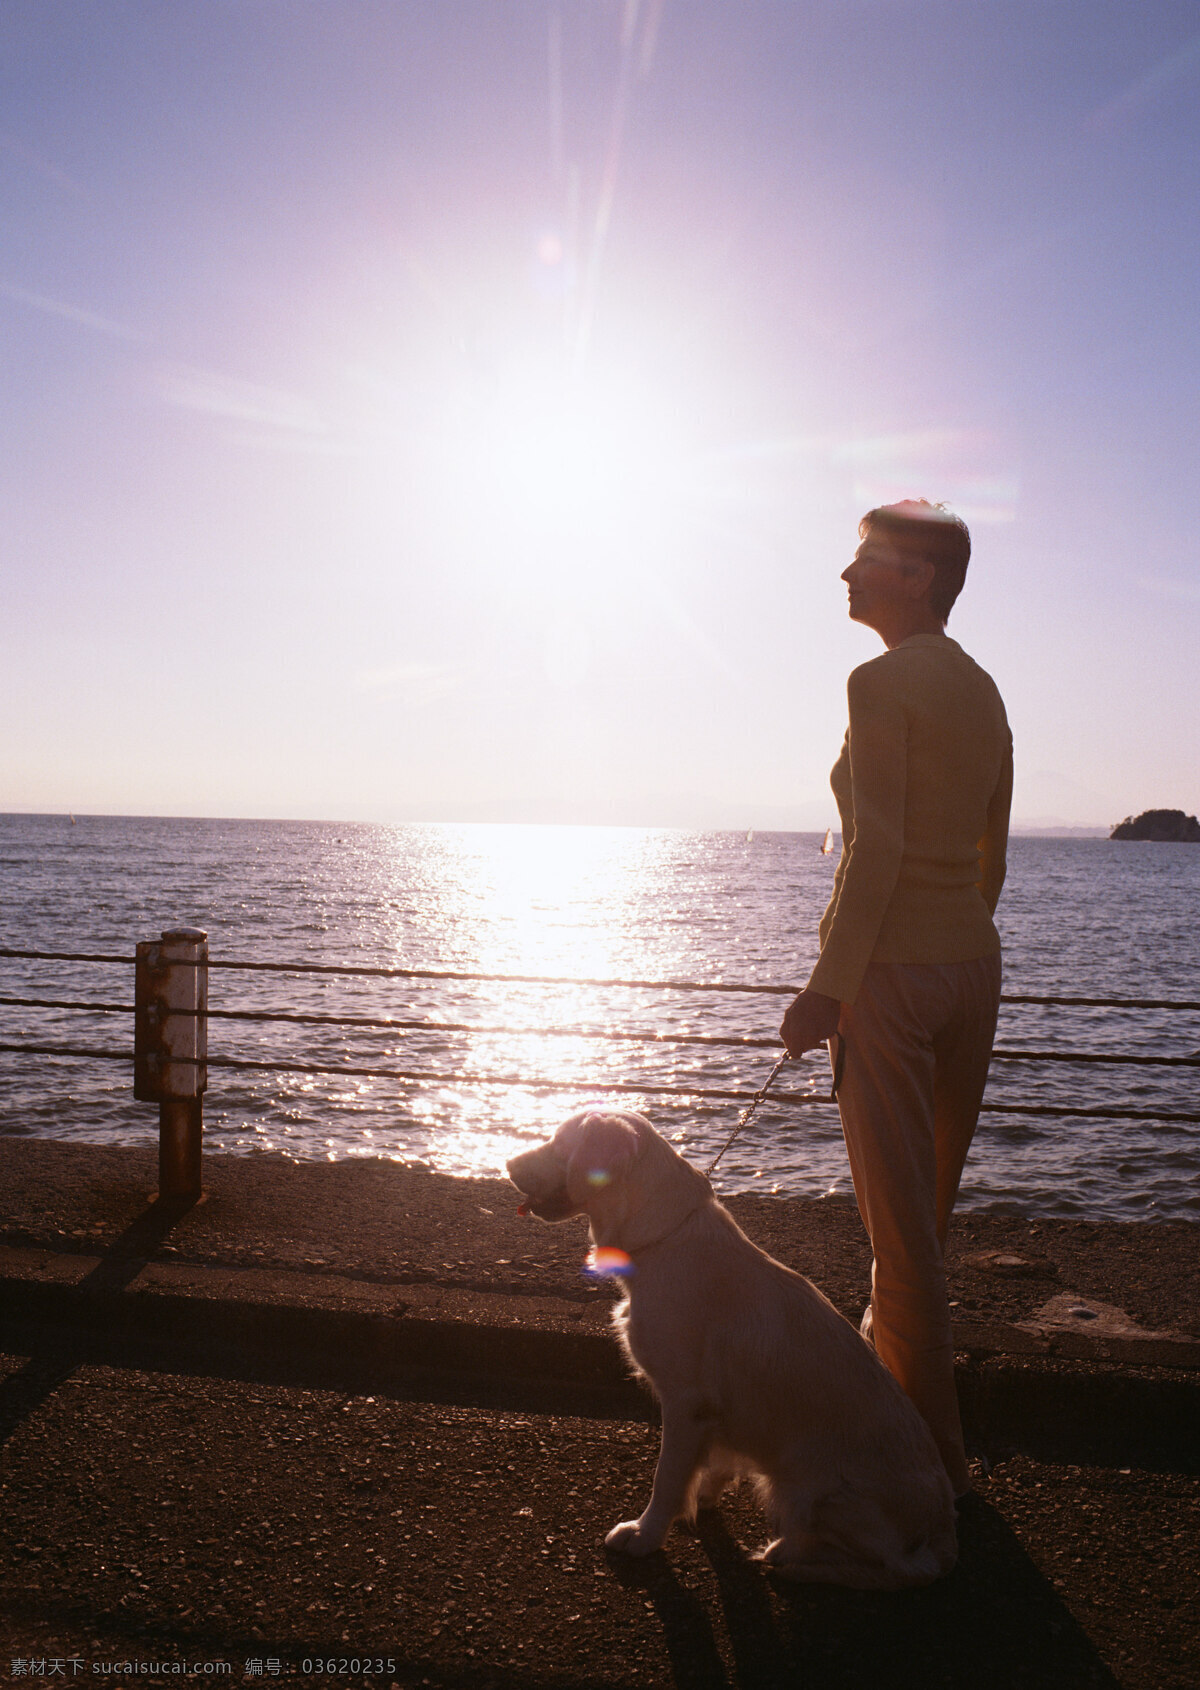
[605,1153]
[920,577]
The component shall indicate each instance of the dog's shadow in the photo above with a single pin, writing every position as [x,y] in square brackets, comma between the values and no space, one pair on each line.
[687,1628]
[995,1622]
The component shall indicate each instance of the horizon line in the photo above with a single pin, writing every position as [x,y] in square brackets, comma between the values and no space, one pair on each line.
[1022,827]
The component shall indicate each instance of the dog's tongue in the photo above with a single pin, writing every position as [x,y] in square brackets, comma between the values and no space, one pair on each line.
[524,1208]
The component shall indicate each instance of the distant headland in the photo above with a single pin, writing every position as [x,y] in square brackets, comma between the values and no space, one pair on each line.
[1171,826]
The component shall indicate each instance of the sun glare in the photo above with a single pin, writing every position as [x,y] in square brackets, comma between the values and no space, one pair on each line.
[577,454]
[539,468]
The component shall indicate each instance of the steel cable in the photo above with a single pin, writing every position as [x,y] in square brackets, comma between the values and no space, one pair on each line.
[363,971]
[528,1083]
[385,1023]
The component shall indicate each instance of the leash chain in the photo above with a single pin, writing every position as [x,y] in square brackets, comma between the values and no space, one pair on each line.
[748,1112]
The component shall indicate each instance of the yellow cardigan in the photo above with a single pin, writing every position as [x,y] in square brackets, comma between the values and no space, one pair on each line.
[923,787]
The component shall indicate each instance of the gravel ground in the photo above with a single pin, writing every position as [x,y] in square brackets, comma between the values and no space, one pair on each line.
[206,1514]
[155,1517]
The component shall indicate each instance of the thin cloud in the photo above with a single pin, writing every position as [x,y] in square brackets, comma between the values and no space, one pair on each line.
[420,680]
[950,465]
[1148,87]
[71,313]
[1169,588]
[41,166]
[979,503]
[231,399]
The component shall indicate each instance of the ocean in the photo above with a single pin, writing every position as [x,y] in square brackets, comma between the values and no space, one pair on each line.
[1080,917]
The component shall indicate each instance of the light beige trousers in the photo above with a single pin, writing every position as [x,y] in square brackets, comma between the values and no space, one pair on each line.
[918,1039]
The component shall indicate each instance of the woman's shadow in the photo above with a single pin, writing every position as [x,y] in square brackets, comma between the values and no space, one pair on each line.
[994,1623]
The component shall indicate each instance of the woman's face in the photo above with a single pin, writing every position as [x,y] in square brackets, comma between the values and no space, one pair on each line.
[885,584]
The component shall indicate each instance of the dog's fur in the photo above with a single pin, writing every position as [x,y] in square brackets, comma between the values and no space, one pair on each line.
[755,1370]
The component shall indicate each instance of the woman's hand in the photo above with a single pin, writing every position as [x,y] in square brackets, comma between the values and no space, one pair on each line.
[812,1018]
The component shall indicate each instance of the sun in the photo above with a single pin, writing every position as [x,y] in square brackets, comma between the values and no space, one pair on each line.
[580,452]
[518,471]
[563,468]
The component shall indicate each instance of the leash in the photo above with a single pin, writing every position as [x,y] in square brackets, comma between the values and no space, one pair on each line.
[747,1116]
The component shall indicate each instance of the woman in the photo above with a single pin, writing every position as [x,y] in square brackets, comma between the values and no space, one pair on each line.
[909,971]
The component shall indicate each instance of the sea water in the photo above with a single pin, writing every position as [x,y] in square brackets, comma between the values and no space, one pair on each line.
[1080,917]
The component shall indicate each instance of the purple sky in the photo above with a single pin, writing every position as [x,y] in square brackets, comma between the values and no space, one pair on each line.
[436,410]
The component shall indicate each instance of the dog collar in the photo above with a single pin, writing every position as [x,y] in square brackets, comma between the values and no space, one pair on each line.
[651,1243]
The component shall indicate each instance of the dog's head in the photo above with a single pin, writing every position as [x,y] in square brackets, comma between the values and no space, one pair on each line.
[614,1168]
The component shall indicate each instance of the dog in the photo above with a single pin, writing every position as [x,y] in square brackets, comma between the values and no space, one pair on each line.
[756,1373]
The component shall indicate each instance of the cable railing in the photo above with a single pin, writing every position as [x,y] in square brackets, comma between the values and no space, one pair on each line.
[389,1023]
[171,1014]
[390,973]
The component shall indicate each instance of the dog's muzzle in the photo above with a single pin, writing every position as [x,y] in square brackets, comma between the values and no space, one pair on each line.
[542,1180]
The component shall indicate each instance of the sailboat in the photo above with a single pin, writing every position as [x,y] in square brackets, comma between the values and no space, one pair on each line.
[827,842]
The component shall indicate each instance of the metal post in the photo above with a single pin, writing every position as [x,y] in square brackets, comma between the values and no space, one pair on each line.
[170,1046]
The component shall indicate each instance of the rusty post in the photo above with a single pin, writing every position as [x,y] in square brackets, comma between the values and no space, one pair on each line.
[170,1044]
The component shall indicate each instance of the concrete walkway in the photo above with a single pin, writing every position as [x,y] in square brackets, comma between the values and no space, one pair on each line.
[358,1414]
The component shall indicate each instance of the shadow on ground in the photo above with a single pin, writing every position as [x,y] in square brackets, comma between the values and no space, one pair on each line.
[994,1624]
[22,1393]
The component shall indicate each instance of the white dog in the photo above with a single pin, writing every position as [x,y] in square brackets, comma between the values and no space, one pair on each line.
[755,1371]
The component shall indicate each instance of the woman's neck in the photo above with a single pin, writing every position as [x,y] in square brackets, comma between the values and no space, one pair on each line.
[921,619]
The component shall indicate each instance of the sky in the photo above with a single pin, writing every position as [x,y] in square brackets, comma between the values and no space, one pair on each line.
[422,410]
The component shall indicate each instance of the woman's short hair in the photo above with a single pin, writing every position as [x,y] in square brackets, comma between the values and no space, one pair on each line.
[931,533]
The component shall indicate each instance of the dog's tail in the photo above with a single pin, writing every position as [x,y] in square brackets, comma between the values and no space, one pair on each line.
[924,1565]
[848,1538]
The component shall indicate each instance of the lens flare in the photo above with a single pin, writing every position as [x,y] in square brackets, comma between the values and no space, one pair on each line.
[607,1262]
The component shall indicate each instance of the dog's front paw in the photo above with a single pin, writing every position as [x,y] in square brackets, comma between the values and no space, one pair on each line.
[632,1538]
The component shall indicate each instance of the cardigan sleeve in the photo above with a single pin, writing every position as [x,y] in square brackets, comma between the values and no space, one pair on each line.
[993,847]
[878,742]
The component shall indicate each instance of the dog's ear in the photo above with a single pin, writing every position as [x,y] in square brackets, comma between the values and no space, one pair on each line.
[605,1151]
